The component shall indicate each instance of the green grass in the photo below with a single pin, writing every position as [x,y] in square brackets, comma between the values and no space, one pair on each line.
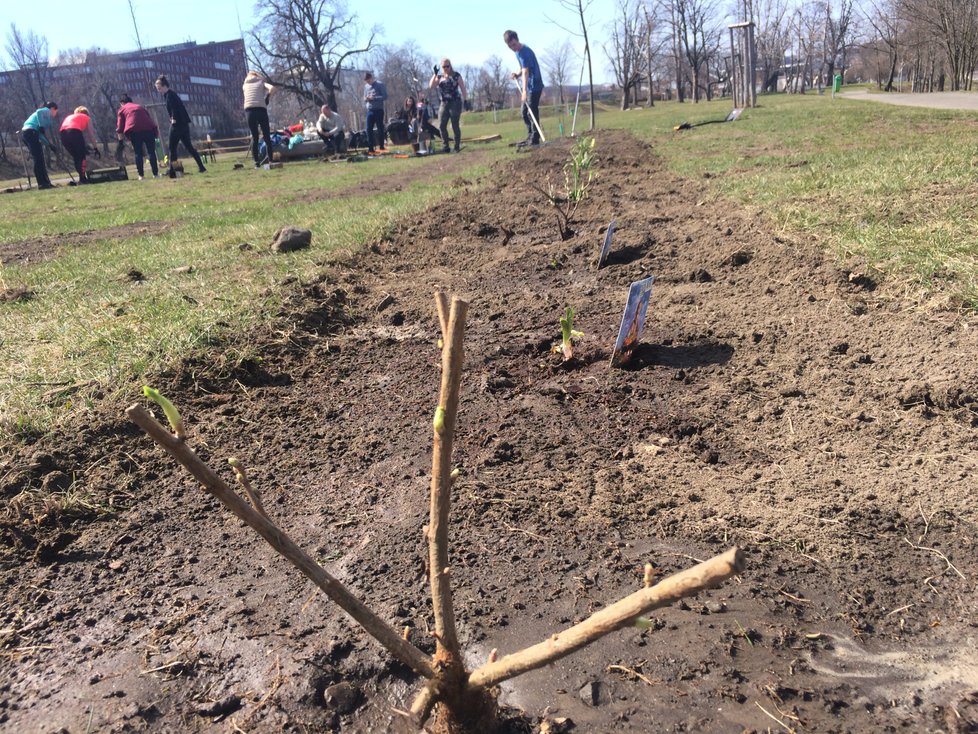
[90,323]
[890,188]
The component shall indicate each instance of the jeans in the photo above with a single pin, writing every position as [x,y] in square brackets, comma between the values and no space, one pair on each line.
[532,104]
[450,110]
[258,117]
[181,134]
[32,139]
[375,119]
[144,139]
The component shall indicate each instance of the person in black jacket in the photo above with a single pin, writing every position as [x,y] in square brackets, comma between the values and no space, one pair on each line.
[179,124]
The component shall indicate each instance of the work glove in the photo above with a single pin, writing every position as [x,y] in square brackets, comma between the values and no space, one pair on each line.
[436,69]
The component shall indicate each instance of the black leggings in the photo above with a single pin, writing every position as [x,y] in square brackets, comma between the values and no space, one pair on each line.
[181,134]
[450,110]
[258,117]
[74,142]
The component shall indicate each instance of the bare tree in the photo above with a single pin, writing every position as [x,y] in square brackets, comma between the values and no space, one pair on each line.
[491,84]
[580,8]
[405,70]
[883,18]
[557,63]
[953,24]
[697,33]
[302,46]
[625,49]
[773,25]
[31,72]
[654,41]
[836,35]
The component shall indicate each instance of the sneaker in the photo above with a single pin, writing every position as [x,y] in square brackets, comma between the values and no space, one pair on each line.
[523,143]
[201,170]
[45,186]
[156,175]
[140,178]
[445,149]
[457,148]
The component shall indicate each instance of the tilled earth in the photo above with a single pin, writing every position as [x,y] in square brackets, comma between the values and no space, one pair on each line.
[778,401]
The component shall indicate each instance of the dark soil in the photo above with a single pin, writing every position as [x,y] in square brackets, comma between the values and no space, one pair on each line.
[45,247]
[777,401]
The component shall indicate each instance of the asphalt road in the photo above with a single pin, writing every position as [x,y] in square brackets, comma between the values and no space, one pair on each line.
[935,100]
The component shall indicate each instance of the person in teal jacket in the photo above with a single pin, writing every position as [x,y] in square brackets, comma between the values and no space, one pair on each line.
[35,134]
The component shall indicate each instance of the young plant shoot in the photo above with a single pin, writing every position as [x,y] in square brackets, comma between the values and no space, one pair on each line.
[568,334]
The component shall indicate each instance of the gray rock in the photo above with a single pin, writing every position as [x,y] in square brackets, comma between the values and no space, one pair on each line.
[342,698]
[594,693]
[289,239]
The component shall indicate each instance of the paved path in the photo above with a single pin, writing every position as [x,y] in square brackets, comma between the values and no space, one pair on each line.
[934,100]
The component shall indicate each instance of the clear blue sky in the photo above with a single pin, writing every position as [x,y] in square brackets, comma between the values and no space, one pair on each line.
[468,32]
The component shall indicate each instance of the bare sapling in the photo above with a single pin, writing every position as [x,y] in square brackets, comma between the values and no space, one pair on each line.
[578,174]
[460,700]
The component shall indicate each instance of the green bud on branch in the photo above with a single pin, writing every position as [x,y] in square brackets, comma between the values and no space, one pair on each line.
[169,410]
[439,419]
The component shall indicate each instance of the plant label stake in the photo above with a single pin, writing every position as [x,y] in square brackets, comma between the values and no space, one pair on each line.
[606,247]
[632,321]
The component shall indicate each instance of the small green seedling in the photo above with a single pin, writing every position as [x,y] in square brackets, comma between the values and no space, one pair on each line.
[568,334]
[169,410]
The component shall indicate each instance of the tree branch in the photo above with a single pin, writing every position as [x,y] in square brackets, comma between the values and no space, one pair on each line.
[620,614]
[441,487]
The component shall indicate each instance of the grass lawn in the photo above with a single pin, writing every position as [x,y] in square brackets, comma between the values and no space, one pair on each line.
[891,187]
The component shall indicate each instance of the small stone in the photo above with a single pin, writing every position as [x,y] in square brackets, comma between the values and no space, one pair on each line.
[715,607]
[593,693]
[289,239]
[344,698]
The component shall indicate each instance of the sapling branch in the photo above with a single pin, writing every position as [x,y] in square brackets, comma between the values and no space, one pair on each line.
[448,651]
[621,614]
[283,544]
[239,474]
[441,305]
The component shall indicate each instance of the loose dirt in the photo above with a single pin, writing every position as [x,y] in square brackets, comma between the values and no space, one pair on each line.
[778,401]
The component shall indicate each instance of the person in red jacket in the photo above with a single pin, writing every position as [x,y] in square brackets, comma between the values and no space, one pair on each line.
[135,123]
[74,131]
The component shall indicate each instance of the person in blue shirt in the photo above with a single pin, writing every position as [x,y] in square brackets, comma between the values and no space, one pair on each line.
[374,94]
[532,85]
[35,133]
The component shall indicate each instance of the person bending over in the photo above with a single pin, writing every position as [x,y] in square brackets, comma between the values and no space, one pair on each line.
[135,123]
[34,133]
[74,130]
